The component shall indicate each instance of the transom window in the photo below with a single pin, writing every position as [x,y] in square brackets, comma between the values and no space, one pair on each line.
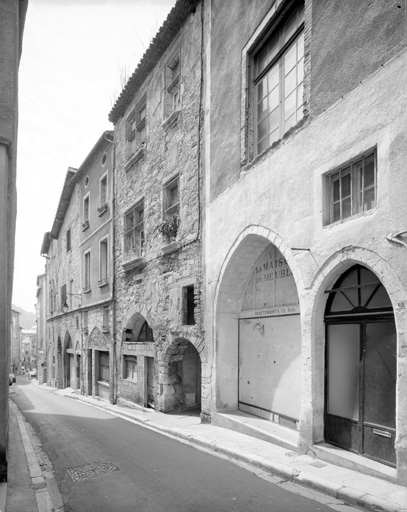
[352,188]
[278,80]
[134,232]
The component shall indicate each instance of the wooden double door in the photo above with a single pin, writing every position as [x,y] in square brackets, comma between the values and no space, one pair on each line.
[361,372]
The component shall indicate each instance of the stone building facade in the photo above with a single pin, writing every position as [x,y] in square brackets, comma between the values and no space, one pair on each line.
[305,237]
[12,19]
[161,354]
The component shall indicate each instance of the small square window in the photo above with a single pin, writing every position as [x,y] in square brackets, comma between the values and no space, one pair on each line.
[134,232]
[352,188]
[188,305]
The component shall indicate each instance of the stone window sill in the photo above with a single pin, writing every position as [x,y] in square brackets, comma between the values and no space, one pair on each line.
[171,247]
[134,158]
[103,383]
[102,209]
[171,121]
[136,262]
[86,289]
[85,225]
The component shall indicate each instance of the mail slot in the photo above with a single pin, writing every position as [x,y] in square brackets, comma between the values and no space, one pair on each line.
[382,433]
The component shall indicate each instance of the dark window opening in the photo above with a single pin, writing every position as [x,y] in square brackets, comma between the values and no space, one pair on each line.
[188,305]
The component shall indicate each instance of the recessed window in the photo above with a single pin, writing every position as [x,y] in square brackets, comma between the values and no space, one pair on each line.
[172,83]
[63,294]
[105,324]
[134,232]
[104,372]
[103,190]
[130,368]
[68,240]
[86,181]
[136,129]
[85,223]
[104,157]
[86,287]
[278,80]
[352,188]
[103,261]
[188,305]
[171,207]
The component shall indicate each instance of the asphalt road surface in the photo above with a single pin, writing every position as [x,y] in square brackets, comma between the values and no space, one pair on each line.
[106,464]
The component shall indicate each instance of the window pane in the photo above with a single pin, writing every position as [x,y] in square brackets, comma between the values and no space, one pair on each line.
[274,119]
[290,82]
[274,136]
[262,109]
[369,201]
[273,77]
[300,71]
[273,99]
[290,58]
[343,370]
[290,26]
[336,212]
[369,174]
[300,45]
[335,189]
[345,185]
[262,145]
[262,129]
[290,105]
[346,208]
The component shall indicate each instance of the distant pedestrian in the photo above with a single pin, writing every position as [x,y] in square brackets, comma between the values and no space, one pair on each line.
[28,374]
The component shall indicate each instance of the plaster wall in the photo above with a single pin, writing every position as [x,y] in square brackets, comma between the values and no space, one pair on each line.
[281,198]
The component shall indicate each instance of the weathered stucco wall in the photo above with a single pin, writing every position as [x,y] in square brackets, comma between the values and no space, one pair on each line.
[281,199]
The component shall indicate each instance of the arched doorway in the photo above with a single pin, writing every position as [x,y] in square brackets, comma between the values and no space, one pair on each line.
[361,366]
[182,388]
[60,375]
[270,342]
[69,360]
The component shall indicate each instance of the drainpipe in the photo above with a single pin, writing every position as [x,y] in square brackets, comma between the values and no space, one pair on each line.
[113,303]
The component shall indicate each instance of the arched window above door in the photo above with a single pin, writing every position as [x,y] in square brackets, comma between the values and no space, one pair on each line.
[357,291]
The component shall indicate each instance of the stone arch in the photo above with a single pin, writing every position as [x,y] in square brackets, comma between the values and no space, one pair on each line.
[180,377]
[136,326]
[313,397]
[134,317]
[233,279]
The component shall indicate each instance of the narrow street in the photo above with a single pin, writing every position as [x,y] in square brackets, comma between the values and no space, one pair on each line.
[105,463]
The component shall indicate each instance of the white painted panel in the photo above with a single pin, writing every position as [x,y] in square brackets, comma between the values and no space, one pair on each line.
[270,365]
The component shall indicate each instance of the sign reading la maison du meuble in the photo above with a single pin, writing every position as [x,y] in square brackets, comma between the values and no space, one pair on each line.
[271,290]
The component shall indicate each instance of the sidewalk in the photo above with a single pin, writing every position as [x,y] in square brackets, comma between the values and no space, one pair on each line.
[262,457]
[31,486]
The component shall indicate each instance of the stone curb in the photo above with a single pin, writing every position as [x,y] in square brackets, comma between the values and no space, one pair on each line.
[347,494]
[3,495]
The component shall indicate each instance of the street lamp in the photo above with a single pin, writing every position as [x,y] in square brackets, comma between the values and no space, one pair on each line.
[64,306]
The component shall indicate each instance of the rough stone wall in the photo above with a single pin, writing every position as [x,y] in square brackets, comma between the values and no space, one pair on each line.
[154,288]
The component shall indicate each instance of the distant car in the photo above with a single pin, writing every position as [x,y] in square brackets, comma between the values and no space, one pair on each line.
[33,372]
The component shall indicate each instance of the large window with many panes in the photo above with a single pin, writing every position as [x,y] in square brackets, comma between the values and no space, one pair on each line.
[278,79]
